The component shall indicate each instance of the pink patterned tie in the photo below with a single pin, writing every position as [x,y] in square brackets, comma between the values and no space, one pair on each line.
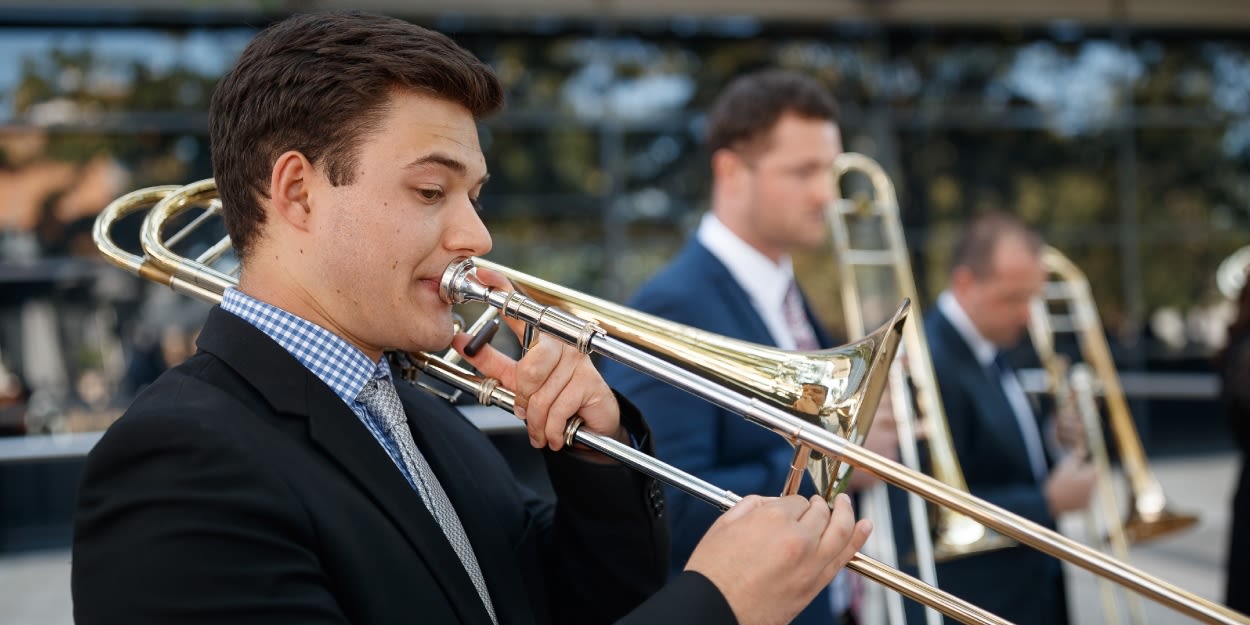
[796,319]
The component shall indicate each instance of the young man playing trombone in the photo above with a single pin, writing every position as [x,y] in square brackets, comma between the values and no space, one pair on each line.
[281,476]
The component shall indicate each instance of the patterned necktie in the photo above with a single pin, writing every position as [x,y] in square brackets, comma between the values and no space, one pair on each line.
[1006,376]
[382,402]
[796,319]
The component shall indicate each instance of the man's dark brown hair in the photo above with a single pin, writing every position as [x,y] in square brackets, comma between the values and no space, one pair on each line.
[975,247]
[750,106]
[318,84]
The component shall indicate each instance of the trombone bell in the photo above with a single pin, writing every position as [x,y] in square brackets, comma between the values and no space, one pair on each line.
[1149,519]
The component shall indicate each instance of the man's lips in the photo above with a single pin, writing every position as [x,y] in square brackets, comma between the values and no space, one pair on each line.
[429,285]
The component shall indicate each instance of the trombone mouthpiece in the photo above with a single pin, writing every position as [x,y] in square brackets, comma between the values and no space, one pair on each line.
[459,283]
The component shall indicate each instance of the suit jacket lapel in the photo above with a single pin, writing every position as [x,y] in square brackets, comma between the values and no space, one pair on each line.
[1005,424]
[994,411]
[730,296]
[339,432]
[491,547]
[294,391]
[735,302]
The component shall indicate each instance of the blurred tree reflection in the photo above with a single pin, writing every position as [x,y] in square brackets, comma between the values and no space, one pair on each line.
[1126,148]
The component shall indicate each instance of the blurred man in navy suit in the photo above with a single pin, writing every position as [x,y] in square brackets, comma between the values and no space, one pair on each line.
[998,437]
[772,137]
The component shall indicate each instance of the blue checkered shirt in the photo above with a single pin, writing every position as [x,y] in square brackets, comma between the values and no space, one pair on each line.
[343,367]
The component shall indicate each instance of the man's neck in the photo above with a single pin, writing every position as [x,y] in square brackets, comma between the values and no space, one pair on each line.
[745,234]
[954,311]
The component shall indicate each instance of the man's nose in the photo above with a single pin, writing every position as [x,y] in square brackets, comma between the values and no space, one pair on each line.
[468,235]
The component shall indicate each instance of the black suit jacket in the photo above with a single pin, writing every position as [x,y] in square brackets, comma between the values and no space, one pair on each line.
[720,446]
[239,489]
[1020,583]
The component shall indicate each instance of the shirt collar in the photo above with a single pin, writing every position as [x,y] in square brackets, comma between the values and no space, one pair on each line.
[342,366]
[982,348]
[764,281]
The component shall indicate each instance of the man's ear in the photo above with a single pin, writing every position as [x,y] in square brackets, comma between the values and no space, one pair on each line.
[289,189]
[727,165]
[962,280]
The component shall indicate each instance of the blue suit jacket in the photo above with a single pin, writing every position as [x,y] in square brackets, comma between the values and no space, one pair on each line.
[692,434]
[1020,584]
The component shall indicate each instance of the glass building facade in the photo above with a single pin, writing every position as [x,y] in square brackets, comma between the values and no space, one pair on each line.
[1126,147]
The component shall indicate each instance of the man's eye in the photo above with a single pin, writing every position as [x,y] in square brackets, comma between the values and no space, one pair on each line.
[430,194]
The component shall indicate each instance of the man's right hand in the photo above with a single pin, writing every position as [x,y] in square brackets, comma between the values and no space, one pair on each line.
[1070,485]
[770,557]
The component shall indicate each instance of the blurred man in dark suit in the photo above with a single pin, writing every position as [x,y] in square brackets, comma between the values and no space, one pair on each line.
[998,436]
[772,137]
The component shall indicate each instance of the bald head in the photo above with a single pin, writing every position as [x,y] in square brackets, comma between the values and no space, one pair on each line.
[997,271]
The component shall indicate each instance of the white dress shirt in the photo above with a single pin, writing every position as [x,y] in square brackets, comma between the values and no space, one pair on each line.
[764,281]
[766,284]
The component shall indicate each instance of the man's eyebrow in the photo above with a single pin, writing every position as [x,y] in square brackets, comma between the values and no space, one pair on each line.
[444,160]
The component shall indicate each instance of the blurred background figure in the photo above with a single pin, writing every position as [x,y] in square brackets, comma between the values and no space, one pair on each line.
[154,350]
[13,398]
[998,435]
[771,138]
[162,337]
[1233,364]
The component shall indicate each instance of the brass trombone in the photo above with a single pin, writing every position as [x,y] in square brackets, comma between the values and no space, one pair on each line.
[841,378]
[1067,305]
[1074,384]
[1071,387]
[953,535]
[861,379]
[856,304]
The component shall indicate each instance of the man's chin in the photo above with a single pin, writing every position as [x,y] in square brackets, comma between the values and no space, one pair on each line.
[430,341]
[814,243]
[438,344]
[1010,340]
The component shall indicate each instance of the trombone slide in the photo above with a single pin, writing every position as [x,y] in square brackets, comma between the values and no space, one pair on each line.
[1112,535]
[953,535]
